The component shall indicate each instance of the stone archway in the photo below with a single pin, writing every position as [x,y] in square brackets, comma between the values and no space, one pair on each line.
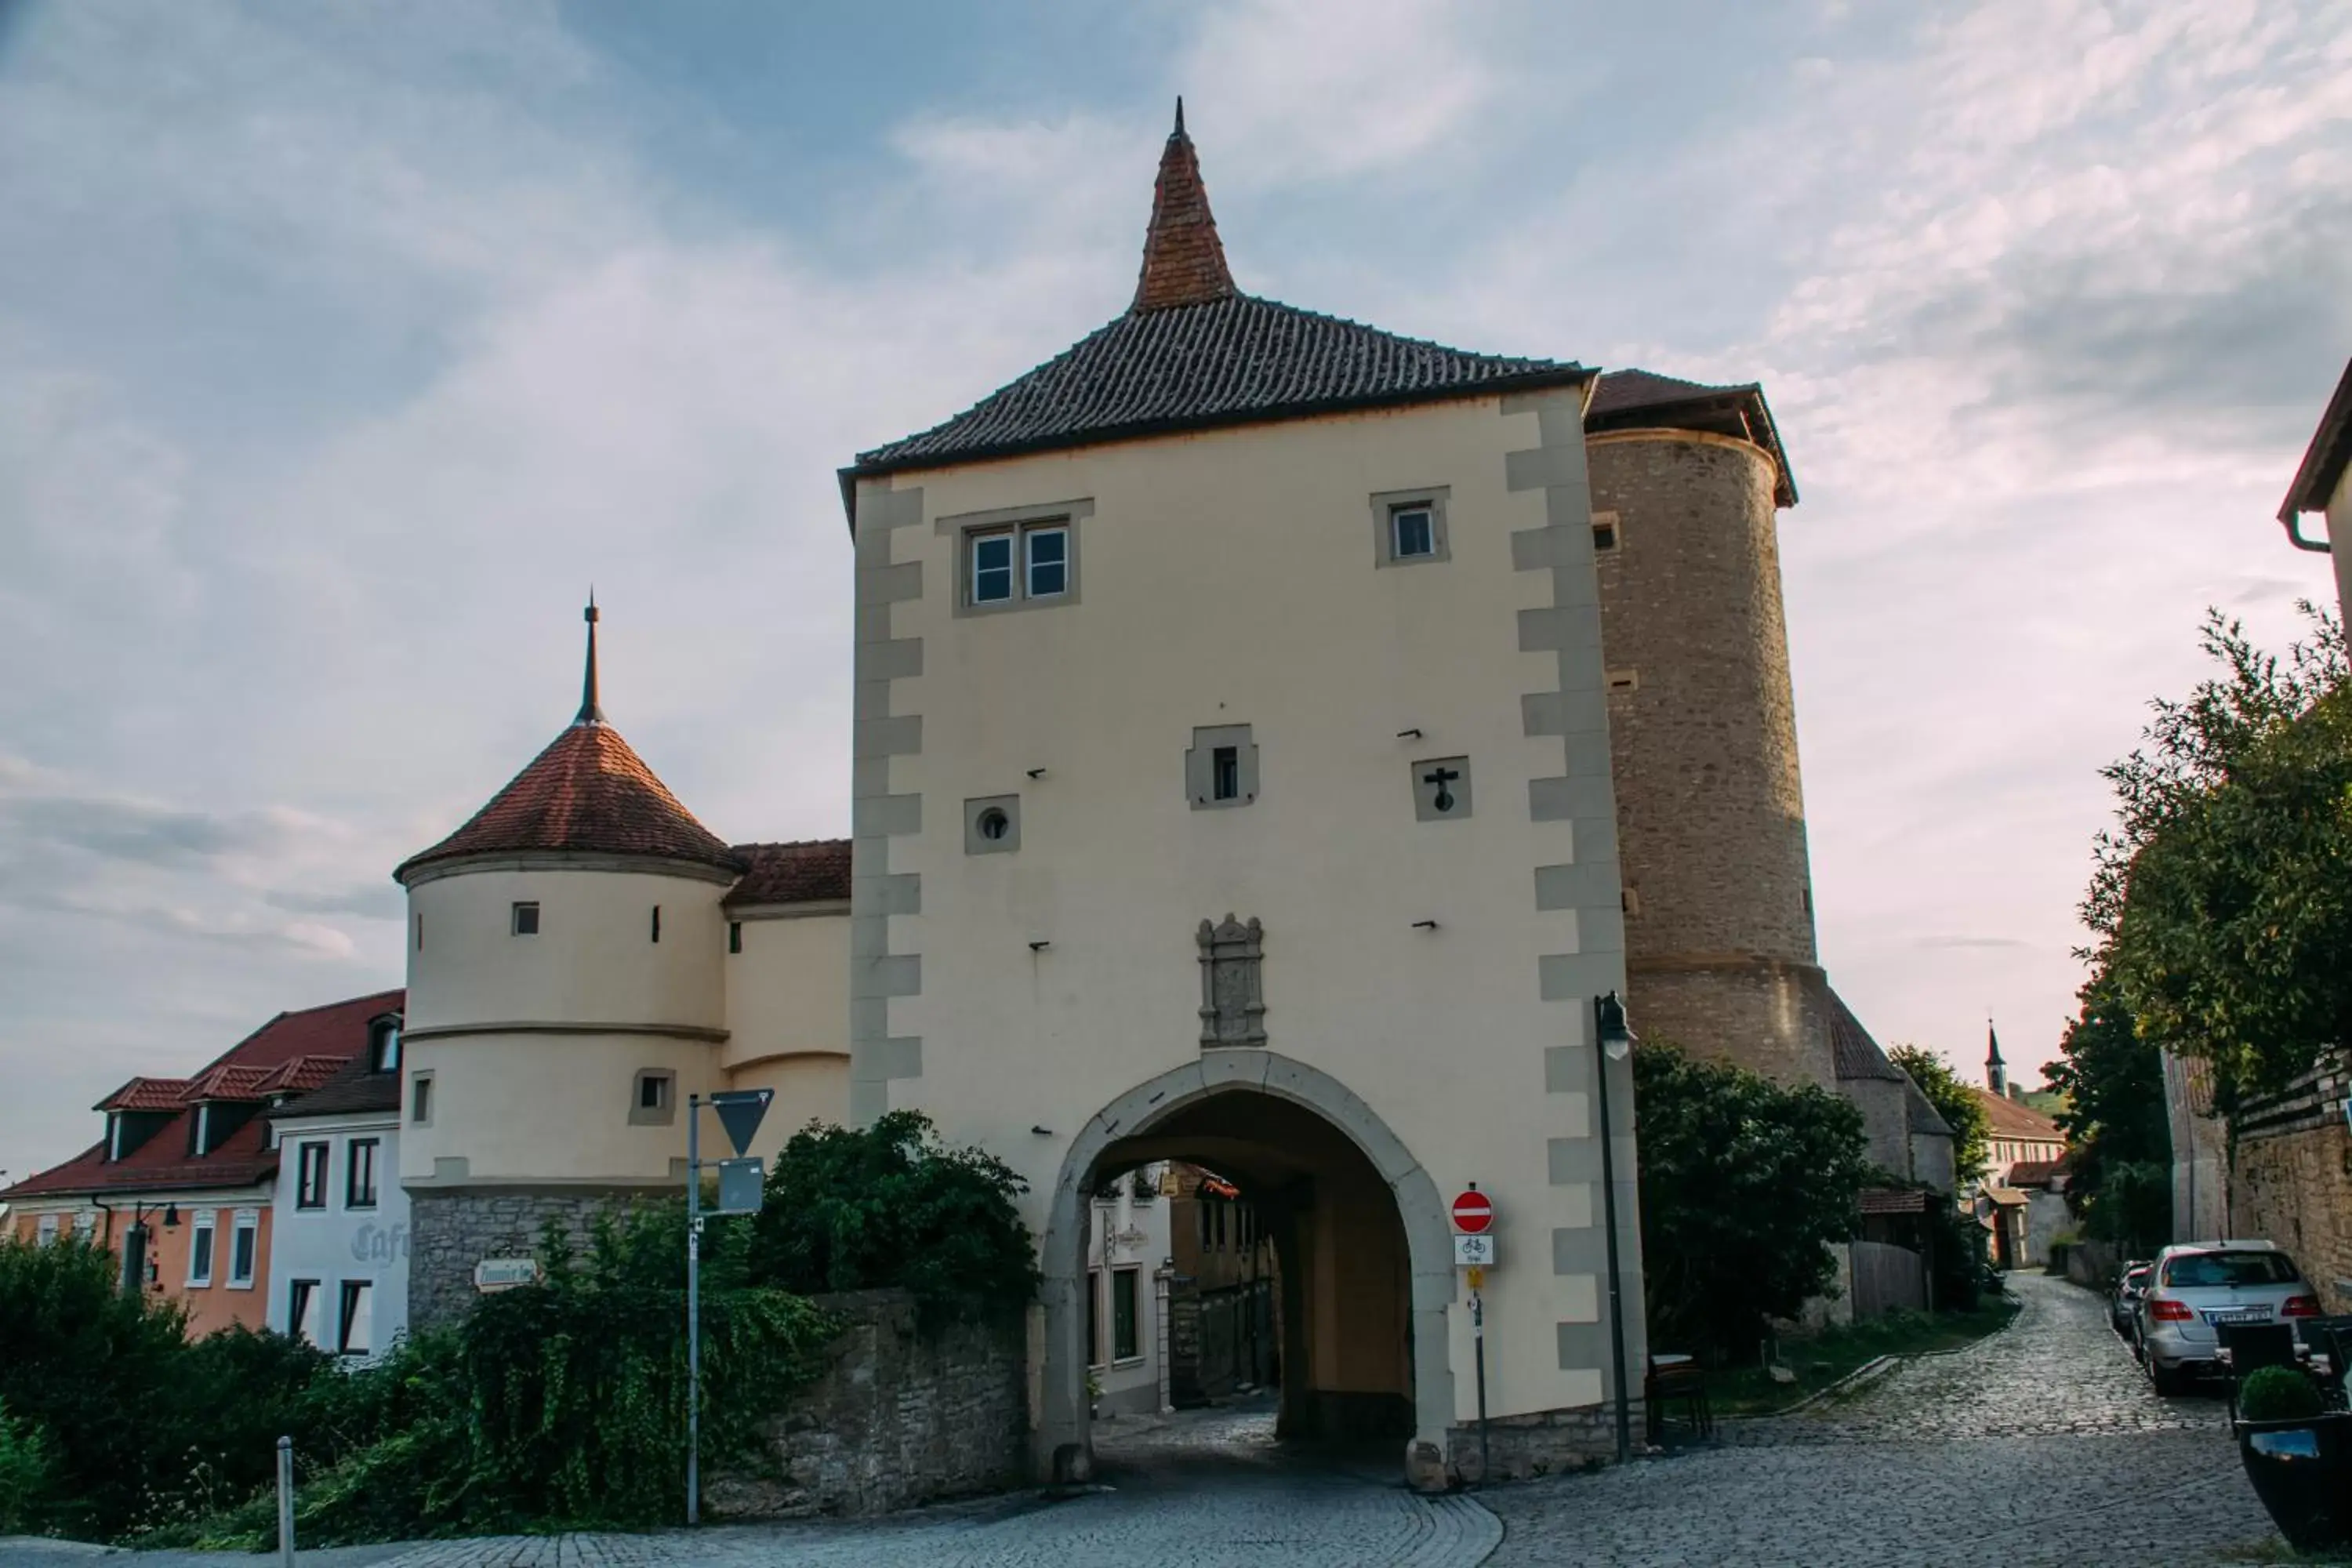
[1187,1094]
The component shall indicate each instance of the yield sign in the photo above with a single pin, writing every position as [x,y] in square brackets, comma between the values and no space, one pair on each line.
[740,1112]
[1474,1210]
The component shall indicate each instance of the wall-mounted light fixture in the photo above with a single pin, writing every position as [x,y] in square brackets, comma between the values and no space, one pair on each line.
[1043,1132]
[1036,772]
[1407,734]
[1424,925]
[1039,946]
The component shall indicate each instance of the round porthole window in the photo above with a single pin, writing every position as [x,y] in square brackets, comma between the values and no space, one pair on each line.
[994,824]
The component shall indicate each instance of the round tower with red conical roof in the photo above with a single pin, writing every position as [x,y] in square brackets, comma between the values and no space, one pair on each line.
[565,995]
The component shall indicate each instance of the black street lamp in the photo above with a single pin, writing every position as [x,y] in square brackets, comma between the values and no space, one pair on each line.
[1615,1038]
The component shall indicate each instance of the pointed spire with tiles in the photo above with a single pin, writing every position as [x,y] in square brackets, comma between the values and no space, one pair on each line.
[1183,261]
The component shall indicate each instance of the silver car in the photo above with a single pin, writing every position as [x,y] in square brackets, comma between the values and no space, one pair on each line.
[2195,1289]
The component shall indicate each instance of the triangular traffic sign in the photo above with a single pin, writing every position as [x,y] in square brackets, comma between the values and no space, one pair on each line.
[741,1112]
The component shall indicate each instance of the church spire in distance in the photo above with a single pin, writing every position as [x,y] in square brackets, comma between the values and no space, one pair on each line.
[590,712]
[1996,1070]
[1184,259]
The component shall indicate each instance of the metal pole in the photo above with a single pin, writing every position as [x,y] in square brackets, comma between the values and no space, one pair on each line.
[1609,1208]
[286,1502]
[1478,1340]
[694,1309]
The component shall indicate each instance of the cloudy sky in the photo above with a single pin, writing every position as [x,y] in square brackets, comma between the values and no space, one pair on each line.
[341,347]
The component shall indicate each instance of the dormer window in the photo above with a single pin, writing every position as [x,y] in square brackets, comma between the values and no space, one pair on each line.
[384,1045]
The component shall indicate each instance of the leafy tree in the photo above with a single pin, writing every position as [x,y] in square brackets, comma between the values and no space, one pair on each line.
[2222,899]
[1956,1103]
[888,1204]
[29,1465]
[2119,1143]
[1745,1188]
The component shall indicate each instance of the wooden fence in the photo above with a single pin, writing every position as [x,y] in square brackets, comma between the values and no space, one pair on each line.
[1887,1276]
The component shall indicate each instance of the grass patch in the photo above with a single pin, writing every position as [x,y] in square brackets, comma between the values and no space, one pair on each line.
[1820,1360]
[2275,1550]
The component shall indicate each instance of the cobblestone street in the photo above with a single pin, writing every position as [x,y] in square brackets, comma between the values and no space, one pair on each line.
[2040,1445]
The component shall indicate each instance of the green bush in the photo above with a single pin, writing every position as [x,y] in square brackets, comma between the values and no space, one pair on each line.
[27,1476]
[887,1205]
[2278,1393]
[1745,1188]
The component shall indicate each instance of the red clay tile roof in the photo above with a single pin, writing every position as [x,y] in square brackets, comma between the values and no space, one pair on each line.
[1889,1201]
[302,1074]
[335,1032]
[1641,399]
[1856,1054]
[146,1094]
[356,1086]
[809,870]
[230,1081]
[2016,1120]
[1183,261]
[2034,1173]
[587,791]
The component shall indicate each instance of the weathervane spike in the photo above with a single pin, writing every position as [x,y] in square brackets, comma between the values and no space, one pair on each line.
[590,711]
[1179,115]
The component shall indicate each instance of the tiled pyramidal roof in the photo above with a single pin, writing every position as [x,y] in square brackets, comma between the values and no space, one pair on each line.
[1193,351]
[587,793]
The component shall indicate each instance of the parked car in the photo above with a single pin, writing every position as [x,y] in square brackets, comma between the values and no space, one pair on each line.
[2123,1307]
[2193,1289]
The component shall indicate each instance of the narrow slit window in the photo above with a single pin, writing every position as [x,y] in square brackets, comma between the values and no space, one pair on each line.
[420,1100]
[992,568]
[420,934]
[526,920]
[658,922]
[1225,774]
[734,936]
[1049,561]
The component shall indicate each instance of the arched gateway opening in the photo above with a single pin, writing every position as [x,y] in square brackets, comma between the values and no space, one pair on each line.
[1364,1251]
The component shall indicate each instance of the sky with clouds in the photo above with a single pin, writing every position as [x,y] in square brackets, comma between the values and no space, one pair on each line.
[342,347]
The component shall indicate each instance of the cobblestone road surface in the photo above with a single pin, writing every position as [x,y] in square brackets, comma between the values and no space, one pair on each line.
[2040,1446]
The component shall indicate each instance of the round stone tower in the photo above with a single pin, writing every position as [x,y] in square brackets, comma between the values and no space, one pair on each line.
[1687,481]
[566,995]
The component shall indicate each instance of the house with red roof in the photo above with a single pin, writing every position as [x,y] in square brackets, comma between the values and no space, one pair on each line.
[179,1183]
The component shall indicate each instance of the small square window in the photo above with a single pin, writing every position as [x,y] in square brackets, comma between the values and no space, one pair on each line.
[653,1098]
[1412,531]
[1604,531]
[526,920]
[1222,768]
[992,568]
[1409,527]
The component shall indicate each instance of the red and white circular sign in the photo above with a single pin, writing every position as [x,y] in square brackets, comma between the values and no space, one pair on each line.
[1474,1210]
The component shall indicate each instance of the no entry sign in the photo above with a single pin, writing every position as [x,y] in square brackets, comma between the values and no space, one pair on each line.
[1474,1210]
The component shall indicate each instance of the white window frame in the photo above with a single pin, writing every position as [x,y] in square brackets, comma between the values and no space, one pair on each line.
[245,1223]
[44,1230]
[204,1244]
[1389,506]
[1428,531]
[1018,529]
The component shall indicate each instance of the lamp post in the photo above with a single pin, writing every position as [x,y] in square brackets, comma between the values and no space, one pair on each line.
[1615,1038]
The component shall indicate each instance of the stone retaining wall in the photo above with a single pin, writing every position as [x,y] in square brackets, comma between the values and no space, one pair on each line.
[1550,1442]
[451,1230]
[2292,1179]
[904,1416]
